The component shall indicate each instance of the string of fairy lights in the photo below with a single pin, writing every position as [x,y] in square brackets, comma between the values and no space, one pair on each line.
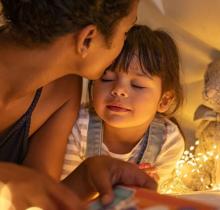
[195,171]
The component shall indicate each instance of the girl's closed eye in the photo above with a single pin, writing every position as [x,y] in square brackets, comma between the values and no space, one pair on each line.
[108,77]
[138,86]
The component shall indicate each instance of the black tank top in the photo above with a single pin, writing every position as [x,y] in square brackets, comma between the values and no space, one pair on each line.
[14,144]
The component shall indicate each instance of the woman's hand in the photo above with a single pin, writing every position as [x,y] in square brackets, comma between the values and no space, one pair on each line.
[150,170]
[100,173]
[24,188]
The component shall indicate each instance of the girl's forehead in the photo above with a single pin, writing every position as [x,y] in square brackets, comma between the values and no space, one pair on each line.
[135,67]
[134,63]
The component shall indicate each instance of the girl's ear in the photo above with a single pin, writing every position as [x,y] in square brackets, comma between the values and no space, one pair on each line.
[166,101]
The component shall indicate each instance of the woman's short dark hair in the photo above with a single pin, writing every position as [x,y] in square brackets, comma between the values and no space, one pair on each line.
[158,56]
[42,21]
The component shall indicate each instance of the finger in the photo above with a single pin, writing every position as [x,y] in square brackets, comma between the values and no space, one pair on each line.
[130,174]
[156,177]
[146,181]
[151,170]
[103,186]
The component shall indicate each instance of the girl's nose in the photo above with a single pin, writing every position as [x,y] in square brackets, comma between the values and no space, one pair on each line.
[119,92]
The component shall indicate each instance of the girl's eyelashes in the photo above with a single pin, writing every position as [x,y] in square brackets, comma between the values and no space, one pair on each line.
[138,87]
[108,76]
[106,80]
[112,79]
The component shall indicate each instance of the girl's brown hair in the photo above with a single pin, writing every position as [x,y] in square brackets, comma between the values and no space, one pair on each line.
[158,56]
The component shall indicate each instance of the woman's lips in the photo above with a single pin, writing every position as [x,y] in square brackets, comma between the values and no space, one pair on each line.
[117,108]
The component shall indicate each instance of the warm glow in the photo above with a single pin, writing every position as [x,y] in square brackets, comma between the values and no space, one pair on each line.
[6,199]
[193,172]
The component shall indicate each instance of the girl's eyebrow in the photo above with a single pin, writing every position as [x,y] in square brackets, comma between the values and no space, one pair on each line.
[146,76]
[107,71]
[141,74]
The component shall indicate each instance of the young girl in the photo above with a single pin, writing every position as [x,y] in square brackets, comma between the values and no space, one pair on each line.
[130,103]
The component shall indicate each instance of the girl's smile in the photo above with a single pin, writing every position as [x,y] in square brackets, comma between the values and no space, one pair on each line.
[117,108]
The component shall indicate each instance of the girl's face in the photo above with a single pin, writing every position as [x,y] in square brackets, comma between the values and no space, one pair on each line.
[127,99]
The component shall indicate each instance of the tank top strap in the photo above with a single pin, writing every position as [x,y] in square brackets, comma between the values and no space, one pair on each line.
[35,101]
[14,144]
[23,119]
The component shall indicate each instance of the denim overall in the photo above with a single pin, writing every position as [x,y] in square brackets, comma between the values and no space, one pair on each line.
[150,146]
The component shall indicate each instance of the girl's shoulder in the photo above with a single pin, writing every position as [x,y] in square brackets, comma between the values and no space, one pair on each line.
[173,127]
[174,133]
[172,130]
[170,124]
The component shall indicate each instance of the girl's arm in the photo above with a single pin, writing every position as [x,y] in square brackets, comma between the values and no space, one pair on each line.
[48,143]
[76,145]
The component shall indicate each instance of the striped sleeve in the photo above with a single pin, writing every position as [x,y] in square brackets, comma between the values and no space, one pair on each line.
[76,146]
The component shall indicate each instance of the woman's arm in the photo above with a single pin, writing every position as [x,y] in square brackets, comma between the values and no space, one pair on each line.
[48,143]
[22,188]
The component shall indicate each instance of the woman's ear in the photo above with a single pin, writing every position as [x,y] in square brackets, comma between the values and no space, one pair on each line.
[166,101]
[84,38]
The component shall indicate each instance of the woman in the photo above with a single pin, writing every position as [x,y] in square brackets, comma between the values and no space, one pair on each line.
[42,45]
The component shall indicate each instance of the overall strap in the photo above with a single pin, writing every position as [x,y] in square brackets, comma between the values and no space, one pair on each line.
[94,136]
[155,140]
[150,148]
